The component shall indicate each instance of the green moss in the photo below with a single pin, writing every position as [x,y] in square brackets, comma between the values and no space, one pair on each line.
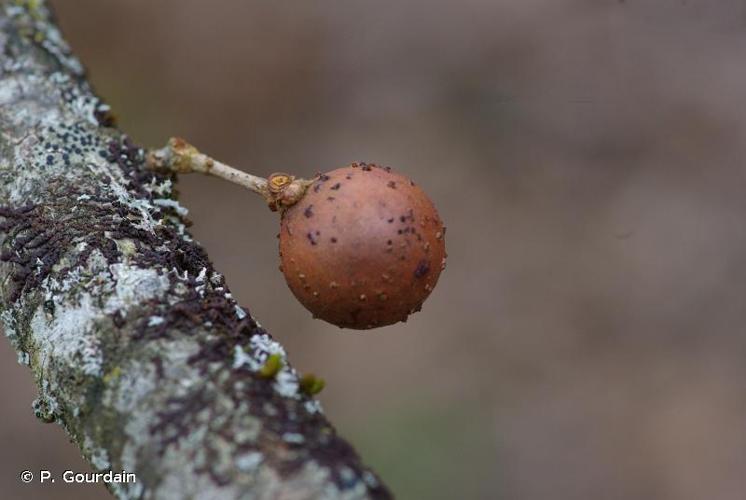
[311,384]
[271,366]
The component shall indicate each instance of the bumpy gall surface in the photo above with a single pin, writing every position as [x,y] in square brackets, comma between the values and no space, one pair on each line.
[363,248]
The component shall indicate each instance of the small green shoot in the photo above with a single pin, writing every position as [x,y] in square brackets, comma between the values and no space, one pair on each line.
[311,384]
[271,366]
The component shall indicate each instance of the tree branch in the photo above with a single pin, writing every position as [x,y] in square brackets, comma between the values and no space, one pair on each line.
[138,349]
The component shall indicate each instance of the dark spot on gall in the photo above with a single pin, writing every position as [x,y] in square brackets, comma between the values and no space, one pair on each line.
[391,184]
[308,212]
[333,240]
[422,269]
[336,186]
[311,238]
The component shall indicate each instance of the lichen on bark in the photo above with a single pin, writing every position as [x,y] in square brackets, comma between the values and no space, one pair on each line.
[135,342]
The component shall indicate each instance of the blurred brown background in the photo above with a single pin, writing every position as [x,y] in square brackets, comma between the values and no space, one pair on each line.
[587,339]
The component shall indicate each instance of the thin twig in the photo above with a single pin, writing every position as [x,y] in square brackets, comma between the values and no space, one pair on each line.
[280,190]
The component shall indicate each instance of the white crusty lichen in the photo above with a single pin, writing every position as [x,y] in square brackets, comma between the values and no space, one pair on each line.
[34,15]
[99,457]
[69,337]
[139,394]
[51,149]
[8,321]
[293,437]
[241,358]
[313,406]
[87,295]
[260,347]
[46,406]
[134,285]
[167,202]
[286,382]
[156,320]
[249,462]
[240,313]
[23,358]
[160,188]
[148,222]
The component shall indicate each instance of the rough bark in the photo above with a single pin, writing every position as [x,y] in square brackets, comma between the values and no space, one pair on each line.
[138,349]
